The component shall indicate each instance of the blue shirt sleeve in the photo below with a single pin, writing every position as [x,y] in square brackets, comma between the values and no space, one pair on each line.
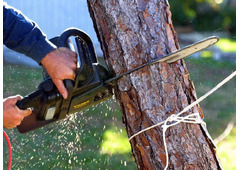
[23,35]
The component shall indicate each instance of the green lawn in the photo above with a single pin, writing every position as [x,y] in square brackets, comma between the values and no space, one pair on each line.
[227,45]
[219,108]
[96,138]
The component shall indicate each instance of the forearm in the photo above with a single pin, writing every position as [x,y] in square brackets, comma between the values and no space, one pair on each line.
[23,35]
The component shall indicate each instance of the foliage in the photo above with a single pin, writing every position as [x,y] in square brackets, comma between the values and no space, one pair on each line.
[205,15]
[227,45]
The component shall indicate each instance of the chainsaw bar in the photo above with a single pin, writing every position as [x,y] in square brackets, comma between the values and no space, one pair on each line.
[173,57]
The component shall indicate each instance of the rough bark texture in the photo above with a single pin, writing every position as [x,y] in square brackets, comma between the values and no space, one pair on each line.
[133,32]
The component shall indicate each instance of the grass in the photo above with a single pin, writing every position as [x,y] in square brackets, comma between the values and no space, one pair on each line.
[115,142]
[96,138]
[17,81]
[219,108]
[227,45]
[227,151]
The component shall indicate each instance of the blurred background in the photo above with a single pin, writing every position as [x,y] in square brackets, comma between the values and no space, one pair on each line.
[96,138]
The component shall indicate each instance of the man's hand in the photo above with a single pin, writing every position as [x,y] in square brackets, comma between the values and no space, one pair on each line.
[61,64]
[12,115]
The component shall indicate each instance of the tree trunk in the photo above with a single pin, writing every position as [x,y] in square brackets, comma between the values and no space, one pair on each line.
[133,32]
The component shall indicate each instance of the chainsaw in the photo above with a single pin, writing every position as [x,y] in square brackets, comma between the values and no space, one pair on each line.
[92,85]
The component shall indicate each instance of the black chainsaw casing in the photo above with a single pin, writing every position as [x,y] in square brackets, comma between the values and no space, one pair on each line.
[86,90]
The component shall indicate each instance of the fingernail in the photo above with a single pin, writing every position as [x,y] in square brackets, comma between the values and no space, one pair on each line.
[65,95]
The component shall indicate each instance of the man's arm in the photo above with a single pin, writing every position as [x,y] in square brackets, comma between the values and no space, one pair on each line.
[23,35]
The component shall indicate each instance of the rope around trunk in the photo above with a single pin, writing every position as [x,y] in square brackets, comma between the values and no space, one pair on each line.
[175,119]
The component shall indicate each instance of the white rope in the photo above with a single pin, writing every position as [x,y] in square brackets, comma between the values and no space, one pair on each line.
[176,118]
[191,118]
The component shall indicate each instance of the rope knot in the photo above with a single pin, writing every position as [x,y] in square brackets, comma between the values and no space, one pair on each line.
[172,118]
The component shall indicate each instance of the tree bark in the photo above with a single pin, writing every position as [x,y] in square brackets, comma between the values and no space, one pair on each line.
[133,32]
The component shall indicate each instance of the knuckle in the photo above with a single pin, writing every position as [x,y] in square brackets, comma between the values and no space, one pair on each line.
[75,60]
[73,75]
[70,73]
[19,118]
[18,96]
[27,112]
[74,66]
[74,54]
[18,123]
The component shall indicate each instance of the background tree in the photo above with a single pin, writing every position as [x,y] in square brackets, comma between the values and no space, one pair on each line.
[205,15]
[133,32]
